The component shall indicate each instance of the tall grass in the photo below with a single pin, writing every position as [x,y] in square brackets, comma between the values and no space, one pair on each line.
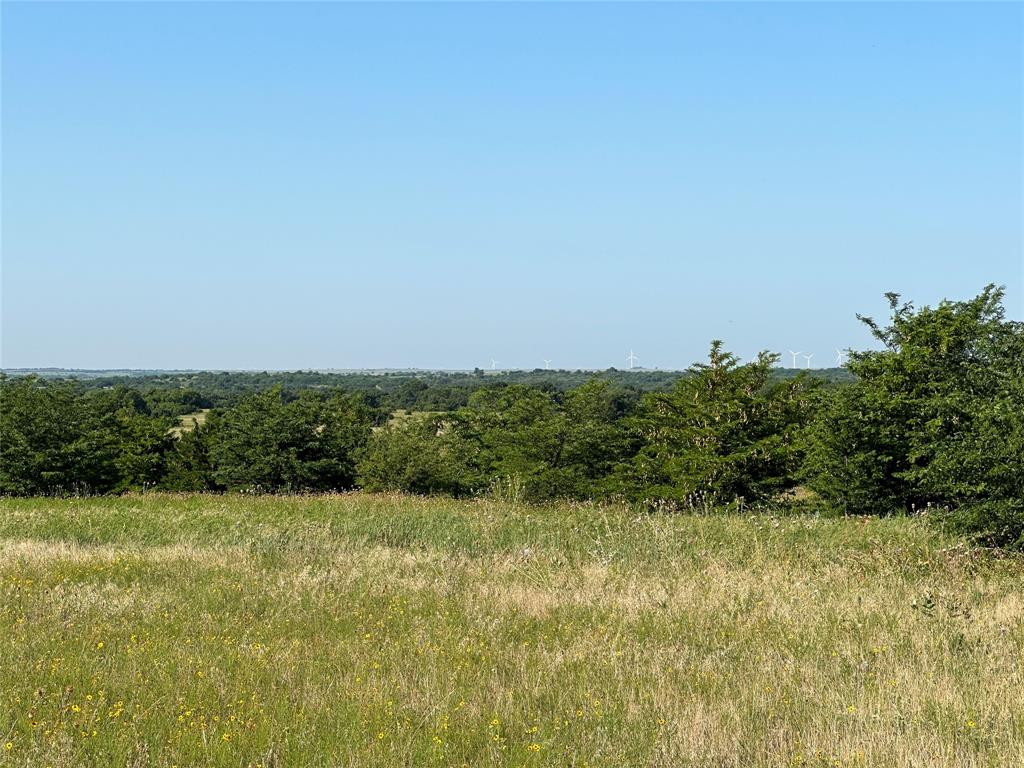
[360,630]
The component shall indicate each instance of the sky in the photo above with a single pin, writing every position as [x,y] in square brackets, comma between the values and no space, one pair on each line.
[285,186]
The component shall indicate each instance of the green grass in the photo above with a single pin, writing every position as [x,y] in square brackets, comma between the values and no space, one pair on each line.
[368,630]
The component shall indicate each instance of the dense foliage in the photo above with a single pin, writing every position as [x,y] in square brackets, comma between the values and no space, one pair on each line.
[932,421]
[531,443]
[54,441]
[176,393]
[309,443]
[723,435]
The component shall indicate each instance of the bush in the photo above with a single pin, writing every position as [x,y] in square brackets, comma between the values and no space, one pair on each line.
[993,523]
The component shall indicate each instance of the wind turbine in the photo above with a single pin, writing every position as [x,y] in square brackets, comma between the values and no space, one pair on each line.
[632,359]
[794,354]
[494,363]
[547,365]
[808,359]
[839,357]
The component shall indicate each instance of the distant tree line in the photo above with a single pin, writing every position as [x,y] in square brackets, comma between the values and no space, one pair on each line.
[933,421]
[178,393]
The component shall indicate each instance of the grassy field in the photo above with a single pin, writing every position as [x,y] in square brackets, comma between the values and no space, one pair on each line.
[190,421]
[386,631]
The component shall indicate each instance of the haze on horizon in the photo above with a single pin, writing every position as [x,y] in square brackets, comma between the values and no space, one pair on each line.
[285,186]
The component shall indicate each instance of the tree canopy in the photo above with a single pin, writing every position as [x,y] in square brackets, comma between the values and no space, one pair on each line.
[930,421]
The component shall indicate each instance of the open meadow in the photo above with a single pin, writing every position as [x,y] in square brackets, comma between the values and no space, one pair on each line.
[362,630]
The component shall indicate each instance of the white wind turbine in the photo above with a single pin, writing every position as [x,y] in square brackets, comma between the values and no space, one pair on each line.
[494,363]
[547,365]
[839,357]
[794,354]
[808,359]
[632,359]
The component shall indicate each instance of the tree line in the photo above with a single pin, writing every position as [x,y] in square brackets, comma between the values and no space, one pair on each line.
[932,421]
[182,392]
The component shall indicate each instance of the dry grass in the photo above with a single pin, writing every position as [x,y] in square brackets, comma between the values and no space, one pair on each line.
[379,631]
[190,421]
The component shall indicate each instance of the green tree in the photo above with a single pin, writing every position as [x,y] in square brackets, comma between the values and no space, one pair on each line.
[421,454]
[310,443]
[142,440]
[549,444]
[516,431]
[541,442]
[723,434]
[856,453]
[591,441]
[52,441]
[934,419]
[408,394]
[189,465]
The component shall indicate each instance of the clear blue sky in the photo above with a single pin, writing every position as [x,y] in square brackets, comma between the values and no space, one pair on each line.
[324,185]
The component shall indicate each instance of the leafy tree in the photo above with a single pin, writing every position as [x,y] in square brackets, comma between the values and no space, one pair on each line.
[855,452]
[309,443]
[552,446]
[52,441]
[189,465]
[933,420]
[723,434]
[408,394]
[142,446]
[545,443]
[421,454]
[516,429]
[174,401]
[591,441]
[142,440]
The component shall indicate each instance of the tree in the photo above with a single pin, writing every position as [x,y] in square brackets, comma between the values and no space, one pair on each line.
[549,444]
[723,434]
[933,420]
[544,443]
[408,394]
[52,441]
[142,440]
[421,454]
[855,452]
[189,465]
[310,443]
[591,441]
